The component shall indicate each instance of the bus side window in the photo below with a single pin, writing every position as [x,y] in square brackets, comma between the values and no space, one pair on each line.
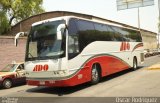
[133,36]
[115,36]
[102,32]
[86,33]
[73,44]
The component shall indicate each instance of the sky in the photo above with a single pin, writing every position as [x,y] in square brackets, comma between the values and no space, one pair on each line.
[107,9]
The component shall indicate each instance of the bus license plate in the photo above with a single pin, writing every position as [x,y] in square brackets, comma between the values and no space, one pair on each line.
[51,82]
[42,82]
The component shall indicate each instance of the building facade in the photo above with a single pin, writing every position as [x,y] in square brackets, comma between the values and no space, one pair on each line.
[9,53]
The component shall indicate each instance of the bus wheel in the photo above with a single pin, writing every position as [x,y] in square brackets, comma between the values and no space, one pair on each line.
[135,65]
[7,83]
[95,74]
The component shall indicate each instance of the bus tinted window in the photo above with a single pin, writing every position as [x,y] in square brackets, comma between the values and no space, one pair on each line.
[134,36]
[102,33]
[92,32]
[131,35]
[84,32]
[73,44]
[127,34]
[84,25]
[72,28]
[117,35]
[100,27]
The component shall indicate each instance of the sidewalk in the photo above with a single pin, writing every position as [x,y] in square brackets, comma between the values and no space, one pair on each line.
[154,67]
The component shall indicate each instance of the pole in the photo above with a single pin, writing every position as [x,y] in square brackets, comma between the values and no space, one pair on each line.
[138,20]
[159,22]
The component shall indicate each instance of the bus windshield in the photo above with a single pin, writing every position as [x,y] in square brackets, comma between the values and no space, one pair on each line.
[43,42]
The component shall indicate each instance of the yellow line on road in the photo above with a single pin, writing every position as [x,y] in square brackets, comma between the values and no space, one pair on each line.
[152,68]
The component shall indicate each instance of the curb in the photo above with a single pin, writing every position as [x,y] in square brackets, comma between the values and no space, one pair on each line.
[154,67]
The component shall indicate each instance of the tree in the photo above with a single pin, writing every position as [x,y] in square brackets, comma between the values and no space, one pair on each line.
[3,23]
[17,10]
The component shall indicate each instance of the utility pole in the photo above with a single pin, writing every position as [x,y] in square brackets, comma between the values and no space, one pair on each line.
[138,20]
[158,23]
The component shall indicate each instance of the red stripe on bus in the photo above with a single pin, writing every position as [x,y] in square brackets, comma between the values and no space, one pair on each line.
[109,65]
[137,46]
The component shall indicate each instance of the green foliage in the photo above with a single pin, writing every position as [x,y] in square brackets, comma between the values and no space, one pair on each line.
[25,8]
[4,26]
[17,10]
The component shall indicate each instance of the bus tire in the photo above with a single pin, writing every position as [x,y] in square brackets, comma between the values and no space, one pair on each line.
[7,83]
[135,64]
[95,74]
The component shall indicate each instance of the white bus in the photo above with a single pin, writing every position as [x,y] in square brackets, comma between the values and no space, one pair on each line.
[69,50]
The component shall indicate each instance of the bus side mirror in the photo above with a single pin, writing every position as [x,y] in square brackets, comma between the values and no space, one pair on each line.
[59,31]
[59,35]
[17,36]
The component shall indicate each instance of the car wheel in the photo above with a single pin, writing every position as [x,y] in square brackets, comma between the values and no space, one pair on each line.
[7,83]
[95,74]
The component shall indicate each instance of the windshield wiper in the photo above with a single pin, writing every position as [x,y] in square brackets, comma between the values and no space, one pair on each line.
[30,54]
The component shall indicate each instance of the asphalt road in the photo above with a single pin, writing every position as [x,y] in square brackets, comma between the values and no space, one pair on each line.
[139,83]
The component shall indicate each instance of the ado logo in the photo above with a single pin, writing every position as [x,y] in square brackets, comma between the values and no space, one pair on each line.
[41,68]
[125,46]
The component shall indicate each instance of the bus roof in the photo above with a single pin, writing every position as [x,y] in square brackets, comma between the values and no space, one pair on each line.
[52,19]
[98,20]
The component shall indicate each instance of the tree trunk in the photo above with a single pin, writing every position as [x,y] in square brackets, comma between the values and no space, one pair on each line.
[11,19]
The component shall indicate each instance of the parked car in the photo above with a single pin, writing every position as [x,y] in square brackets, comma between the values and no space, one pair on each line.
[12,74]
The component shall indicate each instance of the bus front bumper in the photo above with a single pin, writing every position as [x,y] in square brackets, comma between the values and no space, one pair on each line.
[72,81]
[53,83]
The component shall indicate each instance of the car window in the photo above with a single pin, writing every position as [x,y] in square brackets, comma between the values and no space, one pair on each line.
[9,68]
[21,67]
